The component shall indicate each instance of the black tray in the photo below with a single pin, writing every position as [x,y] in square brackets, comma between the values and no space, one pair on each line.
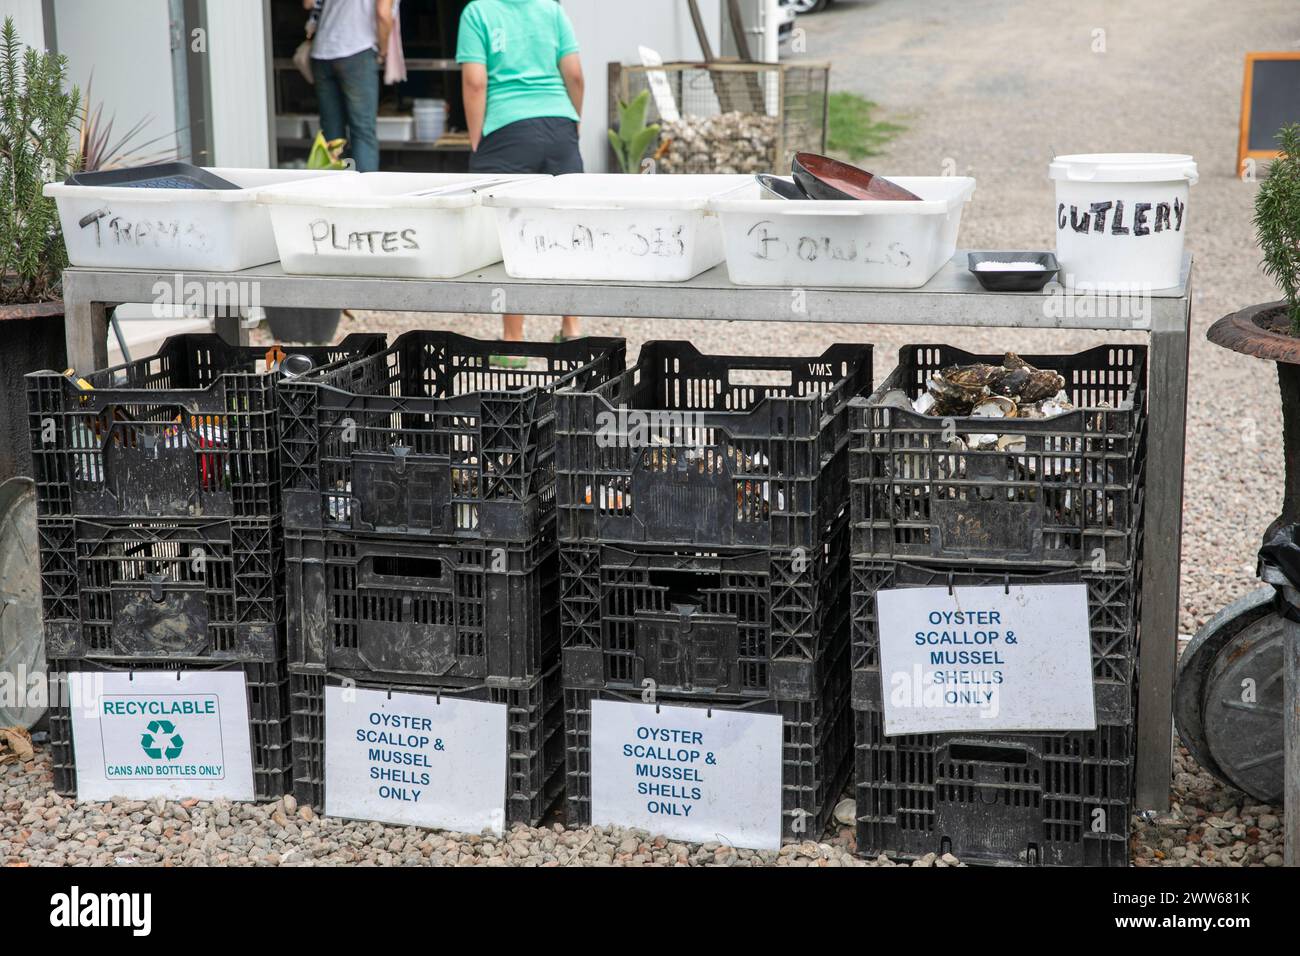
[1028,281]
[157,176]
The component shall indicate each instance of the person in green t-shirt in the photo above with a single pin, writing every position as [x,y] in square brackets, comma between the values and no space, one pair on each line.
[523,86]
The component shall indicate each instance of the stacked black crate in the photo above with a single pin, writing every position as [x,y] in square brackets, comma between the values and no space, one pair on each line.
[158,486]
[419,505]
[703,526]
[964,501]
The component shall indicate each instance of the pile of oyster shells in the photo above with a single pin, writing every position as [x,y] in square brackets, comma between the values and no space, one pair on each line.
[729,143]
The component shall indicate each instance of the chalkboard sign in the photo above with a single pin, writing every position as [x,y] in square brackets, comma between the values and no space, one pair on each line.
[1270,99]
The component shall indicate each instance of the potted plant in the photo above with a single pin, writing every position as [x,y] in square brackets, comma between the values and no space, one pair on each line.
[37,119]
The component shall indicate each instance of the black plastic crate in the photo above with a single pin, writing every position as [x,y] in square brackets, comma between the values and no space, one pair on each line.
[1114,621]
[268,717]
[1049,799]
[763,622]
[709,450]
[534,723]
[817,748]
[429,439]
[190,432]
[1070,498]
[162,589]
[417,610]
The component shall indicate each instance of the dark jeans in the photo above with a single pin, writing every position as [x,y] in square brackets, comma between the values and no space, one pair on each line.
[348,91]
[548,144]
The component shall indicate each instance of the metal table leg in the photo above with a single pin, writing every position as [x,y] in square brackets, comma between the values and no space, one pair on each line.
[1167,410]
[85,328]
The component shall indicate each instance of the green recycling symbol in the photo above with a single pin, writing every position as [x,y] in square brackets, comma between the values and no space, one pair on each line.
[170,745]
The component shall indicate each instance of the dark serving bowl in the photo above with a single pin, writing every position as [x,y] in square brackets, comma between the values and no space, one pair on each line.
[1002,280]
[821,177]
[780,188]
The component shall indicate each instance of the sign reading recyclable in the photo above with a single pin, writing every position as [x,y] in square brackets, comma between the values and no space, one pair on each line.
[161,733]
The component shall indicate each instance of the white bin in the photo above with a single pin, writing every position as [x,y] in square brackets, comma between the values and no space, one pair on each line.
[845,244]
[611,227]
[398,225]
[394,129]
[1121,219]
[206,230]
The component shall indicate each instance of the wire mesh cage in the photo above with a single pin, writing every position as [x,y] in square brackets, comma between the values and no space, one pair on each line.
[729,117]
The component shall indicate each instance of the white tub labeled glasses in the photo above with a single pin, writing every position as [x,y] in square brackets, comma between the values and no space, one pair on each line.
[611,227]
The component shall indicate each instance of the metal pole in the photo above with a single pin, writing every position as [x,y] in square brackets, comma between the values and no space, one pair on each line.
[1291,744]
[180,78]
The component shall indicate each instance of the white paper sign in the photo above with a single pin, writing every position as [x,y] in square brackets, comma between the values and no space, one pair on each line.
[173,734]
[412,759]
[986,658]
[659,86]
[687,773]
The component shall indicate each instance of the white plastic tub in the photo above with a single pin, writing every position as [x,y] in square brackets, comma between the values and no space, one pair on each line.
[214,230]
[394,129]
[1121,219]
[397,225]
[611,227]
[845,244]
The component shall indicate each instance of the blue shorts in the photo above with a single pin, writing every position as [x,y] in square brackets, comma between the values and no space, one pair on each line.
[545,145]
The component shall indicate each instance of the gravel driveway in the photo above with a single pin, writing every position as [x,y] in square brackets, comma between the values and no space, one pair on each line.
[988,88]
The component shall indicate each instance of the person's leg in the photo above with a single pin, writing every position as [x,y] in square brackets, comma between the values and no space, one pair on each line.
[329,97]
[564,157]
[359,78]
[512,327]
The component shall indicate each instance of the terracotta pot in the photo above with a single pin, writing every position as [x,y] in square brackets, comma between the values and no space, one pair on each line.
[32,334]
[1264,331]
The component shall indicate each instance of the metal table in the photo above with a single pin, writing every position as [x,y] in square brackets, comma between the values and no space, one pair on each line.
[951,298]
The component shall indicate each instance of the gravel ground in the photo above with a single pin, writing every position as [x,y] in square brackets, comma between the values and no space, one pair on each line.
[988,88]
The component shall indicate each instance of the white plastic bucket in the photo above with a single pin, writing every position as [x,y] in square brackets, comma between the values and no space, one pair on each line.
[206,230]
[611,227]
[1121,219]
[397,225]
[846,244]
[430,120]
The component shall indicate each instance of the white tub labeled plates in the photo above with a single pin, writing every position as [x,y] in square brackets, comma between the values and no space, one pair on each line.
[688,773]
[415,759]
[204,230]
[390,225]
[611,227]
[174,734]
[844,243]
[1121,219]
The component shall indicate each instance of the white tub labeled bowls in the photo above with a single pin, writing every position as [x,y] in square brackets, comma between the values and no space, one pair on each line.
[844,243]
[611,227]
[207,230]
[1121,219]
[394,225]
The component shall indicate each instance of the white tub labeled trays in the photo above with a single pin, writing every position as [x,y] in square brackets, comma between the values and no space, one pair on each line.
[205,230]
[847,244]
[596,227]
[391,225]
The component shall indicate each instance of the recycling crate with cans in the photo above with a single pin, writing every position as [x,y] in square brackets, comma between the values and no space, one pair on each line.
[1007,474]
[1017,482]
[190,432]
[430,439]
[532,748]
[709,451]
[266,685]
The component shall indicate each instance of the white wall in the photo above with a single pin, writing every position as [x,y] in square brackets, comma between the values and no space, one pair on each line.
[125,44]
[611,30]
[27,20]
[239,73]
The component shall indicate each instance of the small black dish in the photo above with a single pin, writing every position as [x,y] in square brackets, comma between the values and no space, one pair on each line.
[999,280]
[157,176]
[780,188]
